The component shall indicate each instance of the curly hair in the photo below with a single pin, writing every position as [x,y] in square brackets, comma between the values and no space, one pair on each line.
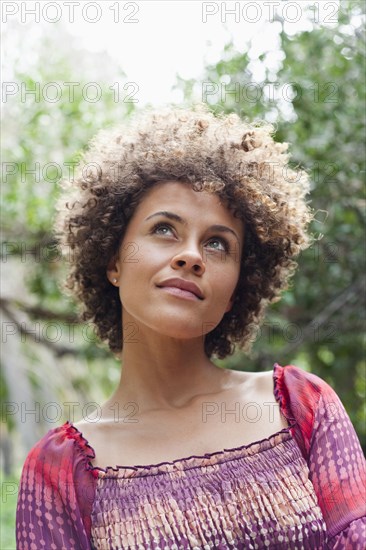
[237,160]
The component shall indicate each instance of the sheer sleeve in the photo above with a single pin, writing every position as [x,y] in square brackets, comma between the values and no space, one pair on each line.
[56,493]
[332,450]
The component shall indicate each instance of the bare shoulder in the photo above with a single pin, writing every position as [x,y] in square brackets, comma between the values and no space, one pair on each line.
[255,392]
[94,428]
[91,419]
[257,385]
[89,430]
[265,382]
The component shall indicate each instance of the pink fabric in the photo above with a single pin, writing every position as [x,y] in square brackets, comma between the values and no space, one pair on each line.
[56,493]
[332,450]
[58,482]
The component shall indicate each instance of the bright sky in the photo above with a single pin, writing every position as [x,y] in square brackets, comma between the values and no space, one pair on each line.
[153,40]
[179,37]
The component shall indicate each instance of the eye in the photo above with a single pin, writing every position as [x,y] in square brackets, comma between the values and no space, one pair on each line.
[162,228]
[218,244]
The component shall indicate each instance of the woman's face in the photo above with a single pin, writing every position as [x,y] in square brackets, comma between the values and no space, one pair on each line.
[179,262]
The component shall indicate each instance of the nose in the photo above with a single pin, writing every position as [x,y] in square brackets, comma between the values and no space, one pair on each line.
[190,260]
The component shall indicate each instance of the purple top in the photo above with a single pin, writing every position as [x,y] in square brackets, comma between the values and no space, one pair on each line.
[303,487]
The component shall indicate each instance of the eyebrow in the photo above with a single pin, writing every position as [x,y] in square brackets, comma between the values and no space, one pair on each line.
[175,217]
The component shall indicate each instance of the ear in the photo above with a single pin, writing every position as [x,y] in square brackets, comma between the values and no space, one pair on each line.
[230,303]
[114,270]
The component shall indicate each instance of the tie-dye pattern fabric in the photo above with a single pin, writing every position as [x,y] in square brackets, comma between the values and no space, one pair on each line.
[303,487]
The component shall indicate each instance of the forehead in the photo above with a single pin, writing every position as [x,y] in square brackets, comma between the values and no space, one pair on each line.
[180,198]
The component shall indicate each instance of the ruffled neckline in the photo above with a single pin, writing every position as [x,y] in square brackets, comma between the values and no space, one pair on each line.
[192,461]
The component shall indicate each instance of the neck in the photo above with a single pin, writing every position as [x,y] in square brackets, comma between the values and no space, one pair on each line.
[161,373]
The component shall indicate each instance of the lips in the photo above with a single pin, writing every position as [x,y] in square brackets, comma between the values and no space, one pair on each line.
[182,284]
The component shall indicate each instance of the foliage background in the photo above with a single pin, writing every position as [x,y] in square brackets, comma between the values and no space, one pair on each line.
[317,104]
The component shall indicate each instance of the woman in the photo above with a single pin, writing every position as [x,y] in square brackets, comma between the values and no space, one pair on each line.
[183,227]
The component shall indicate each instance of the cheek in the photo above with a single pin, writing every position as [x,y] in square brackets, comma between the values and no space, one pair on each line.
[138,266]
[143,255]
[226,278]
[130,253]
[131,257]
